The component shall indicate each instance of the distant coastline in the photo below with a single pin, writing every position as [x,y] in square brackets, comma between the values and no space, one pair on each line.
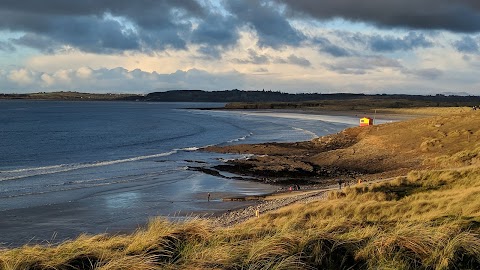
[72,96]
[241,99]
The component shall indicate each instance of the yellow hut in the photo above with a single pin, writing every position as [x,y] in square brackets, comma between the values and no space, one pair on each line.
[366,121]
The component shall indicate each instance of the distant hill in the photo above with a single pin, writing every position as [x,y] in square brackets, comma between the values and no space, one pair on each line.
[245,99]
[235,95]
[226,96]
[69,95]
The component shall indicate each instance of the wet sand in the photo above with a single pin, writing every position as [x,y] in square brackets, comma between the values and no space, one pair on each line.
[277,200]
[59,222]
[116,211]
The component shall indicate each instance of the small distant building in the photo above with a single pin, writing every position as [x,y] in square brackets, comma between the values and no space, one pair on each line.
[366,121]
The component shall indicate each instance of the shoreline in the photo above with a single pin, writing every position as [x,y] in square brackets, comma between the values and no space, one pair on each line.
[382,114]
[280,199]
[318,160]
[235,214]
[34,223]
[270,202]
[318,191]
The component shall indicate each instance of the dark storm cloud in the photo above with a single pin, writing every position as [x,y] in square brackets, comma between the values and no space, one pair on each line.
[254,58]
[216,29]
[273,29]
[429,73]
[6,47]
[299,61]
[467,45]
[210,52]
[262,59]
[140,10]
[411,41]
[363,65]
[114,26]
[261,70]
[103,26]
[334,50]
[457,16]
[374,43]
[216,33]
[35,41]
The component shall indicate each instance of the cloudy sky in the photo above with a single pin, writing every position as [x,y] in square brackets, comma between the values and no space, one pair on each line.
[325,46]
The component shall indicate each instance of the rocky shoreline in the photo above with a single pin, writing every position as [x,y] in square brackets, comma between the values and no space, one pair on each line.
[272,202]
[372,154]
[231,218]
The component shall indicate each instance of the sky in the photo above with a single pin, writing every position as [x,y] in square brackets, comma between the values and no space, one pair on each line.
[297,46]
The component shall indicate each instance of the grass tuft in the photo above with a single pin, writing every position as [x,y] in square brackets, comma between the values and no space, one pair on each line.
[426,220]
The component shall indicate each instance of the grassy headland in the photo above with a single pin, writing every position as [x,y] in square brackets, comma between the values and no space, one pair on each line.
[387,150]
[362,103]
[426,217]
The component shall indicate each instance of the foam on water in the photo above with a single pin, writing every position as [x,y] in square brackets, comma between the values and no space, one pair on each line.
[306,132]
[28,172]
[241,138]
[193,148]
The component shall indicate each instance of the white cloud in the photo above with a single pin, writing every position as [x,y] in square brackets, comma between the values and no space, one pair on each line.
[47,79]
[63,75]
[84,72]
[21,76]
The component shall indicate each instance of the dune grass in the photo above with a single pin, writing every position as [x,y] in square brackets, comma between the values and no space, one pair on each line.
[428,111]
[425,220]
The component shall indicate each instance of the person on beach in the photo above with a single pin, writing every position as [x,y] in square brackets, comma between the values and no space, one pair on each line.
[208,197]
[340,182]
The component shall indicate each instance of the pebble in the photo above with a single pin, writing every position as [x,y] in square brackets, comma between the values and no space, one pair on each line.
[238,216]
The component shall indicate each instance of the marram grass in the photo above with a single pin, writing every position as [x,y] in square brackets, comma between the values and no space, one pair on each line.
[426,220]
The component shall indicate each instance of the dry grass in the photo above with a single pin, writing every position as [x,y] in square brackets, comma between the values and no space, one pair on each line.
[426,220]
[428,111]
[385,150]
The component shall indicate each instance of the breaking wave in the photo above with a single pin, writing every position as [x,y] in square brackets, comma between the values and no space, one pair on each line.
[28,172]
[241,138]
[306,132]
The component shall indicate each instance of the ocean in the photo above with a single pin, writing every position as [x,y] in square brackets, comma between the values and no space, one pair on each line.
[68,167]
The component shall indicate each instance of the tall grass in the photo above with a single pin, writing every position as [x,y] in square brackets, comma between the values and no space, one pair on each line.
[426,220]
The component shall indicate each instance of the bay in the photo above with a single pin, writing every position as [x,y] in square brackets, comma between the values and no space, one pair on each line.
[68,168]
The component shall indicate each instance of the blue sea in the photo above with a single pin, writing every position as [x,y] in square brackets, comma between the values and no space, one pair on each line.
[72,167]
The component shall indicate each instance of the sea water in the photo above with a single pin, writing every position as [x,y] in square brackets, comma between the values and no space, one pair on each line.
[70,167]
